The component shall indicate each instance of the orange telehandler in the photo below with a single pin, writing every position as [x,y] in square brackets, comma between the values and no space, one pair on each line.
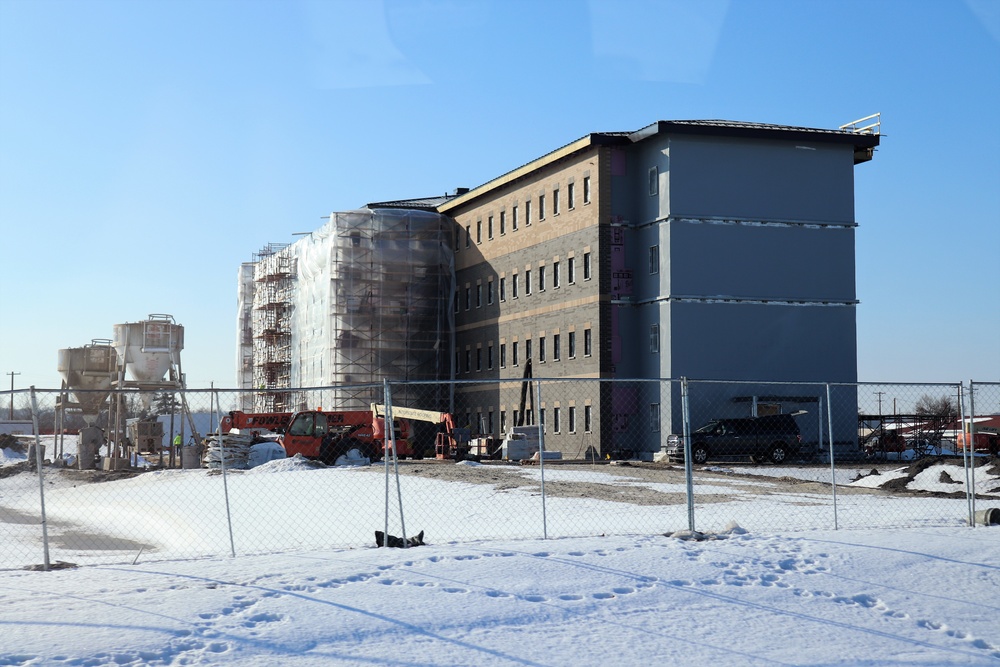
[451,443]
[325,436]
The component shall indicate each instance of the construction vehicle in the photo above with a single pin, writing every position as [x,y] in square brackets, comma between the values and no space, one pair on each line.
[326,436]
[451,443]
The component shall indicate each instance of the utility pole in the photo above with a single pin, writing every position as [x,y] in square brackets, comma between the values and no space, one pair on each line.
[879,394]
[12,374]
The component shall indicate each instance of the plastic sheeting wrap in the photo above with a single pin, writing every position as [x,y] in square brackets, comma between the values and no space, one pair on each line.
[244,328]
[370,298]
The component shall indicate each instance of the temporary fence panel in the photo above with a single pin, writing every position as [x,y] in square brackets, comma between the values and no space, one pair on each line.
[546,457]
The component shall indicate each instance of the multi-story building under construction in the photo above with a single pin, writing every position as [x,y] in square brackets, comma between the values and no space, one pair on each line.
[713,250]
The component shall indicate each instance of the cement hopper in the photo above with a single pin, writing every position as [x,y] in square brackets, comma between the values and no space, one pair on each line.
[88,372]
[149,348]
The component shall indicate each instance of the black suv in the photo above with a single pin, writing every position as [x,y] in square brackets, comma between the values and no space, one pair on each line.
[772,437]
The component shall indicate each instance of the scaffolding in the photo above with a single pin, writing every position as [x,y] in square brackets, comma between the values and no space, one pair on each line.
[273,280]
[381,296]
[366,297]
[244,342]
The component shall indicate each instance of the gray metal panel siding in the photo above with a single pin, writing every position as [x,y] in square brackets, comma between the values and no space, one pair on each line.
[779,343]
[786,262]
[764,180]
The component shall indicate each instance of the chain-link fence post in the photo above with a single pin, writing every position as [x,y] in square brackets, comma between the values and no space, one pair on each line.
[390,433]
[222,464]
[541,459]
[39,461]
[833,460]
[968,457]
[688,467]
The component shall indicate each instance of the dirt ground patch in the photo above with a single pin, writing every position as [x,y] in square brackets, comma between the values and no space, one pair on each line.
[631,483]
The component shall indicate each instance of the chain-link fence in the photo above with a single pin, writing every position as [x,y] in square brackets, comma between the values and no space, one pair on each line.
[130,475]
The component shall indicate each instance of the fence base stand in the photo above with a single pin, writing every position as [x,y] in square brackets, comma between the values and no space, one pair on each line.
[988,517]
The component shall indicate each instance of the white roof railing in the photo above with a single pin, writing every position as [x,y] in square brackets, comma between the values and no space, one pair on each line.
[857,126]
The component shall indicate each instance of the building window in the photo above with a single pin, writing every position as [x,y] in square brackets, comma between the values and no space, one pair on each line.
[489,356]
[654,417]
[503,222]
[571,196]
[527,282]
[479,359]
[468,297]
[479,295]
[479,232]
[555,274]
[586,343]
[489,422]
[555,201]
[588,422]
[456,301]
[503,288]
[468,236]
[541,278]
[555,347]
[468,360]
[489,227]
[586,266]
[489,292]
[654,179]
[513,286]
[654,259]
[527,349]
[571,344]
[586,189]
[541,349]
[541,207]
[527,213]
[503,355]
[503,421]
[571,270]
[555,420]
[513,353]
[654,338]
[541,419]
[458,362]
[513,218]
[572,419]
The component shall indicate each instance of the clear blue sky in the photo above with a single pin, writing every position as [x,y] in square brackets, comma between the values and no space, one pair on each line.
[148,148]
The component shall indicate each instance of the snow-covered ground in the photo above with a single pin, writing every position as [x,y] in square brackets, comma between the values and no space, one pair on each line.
[160,593]
[905,597]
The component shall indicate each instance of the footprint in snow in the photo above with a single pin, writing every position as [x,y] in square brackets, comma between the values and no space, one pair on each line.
[258,619]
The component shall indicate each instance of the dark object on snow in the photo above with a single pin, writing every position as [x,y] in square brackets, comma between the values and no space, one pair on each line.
[383,540]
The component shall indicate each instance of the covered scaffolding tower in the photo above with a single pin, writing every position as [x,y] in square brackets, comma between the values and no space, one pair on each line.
[379,290]
[273,279]
[366,297]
